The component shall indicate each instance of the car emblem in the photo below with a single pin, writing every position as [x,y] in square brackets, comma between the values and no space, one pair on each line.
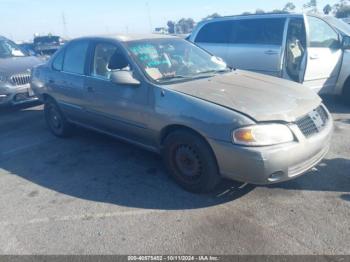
[317,119]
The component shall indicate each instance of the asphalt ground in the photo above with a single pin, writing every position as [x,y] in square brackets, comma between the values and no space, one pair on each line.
[92,194]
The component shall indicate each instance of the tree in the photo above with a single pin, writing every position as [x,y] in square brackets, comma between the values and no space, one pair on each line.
[246,13]
[259,11]
[312,6]
[215,15]
[289,7]
[185,26]
[171,27]
[327,9]
[342,9]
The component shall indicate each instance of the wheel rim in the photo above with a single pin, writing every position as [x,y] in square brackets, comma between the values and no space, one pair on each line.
[187,162]
[55,119]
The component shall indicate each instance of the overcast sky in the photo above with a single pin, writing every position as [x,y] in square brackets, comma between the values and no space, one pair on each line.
[20,19]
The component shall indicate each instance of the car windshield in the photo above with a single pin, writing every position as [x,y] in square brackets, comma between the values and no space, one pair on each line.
[10,49]
[343,27]
[165,60]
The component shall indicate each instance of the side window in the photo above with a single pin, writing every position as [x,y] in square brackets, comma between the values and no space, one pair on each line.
[321,34]
[108,58]
[75,57]
[58,62]
[215,33]
[268,31]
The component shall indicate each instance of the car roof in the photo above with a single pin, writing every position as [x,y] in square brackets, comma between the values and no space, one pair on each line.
[127,37]
[258,16]
[2,38]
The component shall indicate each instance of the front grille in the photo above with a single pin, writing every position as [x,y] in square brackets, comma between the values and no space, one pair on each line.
[314,122]
[20,79]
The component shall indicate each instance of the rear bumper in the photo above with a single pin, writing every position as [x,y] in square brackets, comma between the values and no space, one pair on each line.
[16,95]
[273,164]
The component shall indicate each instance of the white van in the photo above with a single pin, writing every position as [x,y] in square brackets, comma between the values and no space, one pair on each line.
[309,49]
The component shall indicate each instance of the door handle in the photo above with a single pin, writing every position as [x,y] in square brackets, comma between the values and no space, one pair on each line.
[90,89]
[51,81]
[271,52]
[314,57]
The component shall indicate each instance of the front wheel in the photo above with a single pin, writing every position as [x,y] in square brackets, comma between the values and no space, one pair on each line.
[55,120]
[191,162]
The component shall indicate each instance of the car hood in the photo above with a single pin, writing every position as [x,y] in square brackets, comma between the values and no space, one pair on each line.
[263,98]
[17,65]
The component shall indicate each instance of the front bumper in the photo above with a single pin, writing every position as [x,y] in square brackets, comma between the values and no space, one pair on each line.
[272,164]
[16,95]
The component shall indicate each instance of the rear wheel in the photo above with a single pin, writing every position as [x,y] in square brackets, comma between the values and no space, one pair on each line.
[55,120]
[191,162]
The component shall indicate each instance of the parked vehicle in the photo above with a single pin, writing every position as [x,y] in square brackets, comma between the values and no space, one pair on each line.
[47,45]
[309,49]
[27,48]
[171,97]
[15,66]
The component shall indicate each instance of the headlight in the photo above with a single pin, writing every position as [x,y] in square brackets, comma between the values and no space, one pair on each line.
[263,135]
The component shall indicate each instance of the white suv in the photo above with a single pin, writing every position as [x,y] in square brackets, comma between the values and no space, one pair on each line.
[309,49]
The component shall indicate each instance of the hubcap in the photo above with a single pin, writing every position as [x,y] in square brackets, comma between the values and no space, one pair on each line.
[188,162]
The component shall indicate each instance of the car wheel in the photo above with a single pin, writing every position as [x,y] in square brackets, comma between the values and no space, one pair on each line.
[346,95]
[55,120]
[191,162]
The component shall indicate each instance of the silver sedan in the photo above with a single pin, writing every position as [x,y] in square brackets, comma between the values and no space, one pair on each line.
[169,96]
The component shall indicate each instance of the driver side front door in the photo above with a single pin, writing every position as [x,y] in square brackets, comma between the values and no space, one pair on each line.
[120,110]
[324,55]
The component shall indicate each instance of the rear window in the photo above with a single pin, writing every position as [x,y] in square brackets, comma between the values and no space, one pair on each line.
[215,33]
[267,31]
[258,31]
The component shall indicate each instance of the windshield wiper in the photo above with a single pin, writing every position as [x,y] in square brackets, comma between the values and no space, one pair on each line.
[165,78]
[215,71]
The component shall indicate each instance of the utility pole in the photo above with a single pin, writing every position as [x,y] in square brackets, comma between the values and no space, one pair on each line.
[149,17]
[64,22]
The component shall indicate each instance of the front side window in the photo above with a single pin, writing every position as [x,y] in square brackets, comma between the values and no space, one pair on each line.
[215,33]
[258,31]
[75,57]
[107,59]
[169,59]
[9,49]
[321,35]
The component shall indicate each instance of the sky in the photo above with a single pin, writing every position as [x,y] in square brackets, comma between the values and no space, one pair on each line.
[20,19]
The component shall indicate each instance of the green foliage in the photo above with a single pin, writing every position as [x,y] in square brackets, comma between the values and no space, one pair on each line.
[342,9]
[312,6]
[215,15]
[327,9]
[289,7]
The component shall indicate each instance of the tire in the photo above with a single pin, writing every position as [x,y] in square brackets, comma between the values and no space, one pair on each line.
[55,120]
[191,162]
[346,94]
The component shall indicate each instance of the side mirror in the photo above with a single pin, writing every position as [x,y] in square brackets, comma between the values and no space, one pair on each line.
[124,78]
[346,42]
